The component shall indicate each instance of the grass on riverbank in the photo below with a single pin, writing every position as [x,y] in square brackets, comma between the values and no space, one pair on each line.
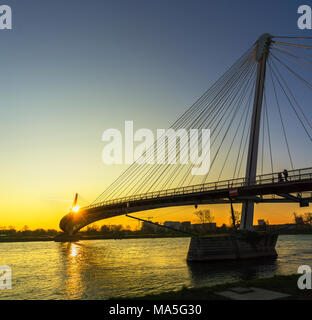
[283,284]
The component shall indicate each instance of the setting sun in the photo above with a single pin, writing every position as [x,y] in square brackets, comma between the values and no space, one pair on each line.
[75,208]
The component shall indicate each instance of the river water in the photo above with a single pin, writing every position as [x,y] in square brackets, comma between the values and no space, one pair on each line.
[101,269]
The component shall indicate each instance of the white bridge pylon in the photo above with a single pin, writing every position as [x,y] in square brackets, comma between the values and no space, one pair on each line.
[261,55]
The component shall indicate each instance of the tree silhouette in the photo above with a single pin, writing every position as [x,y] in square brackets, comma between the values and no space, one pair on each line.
[235,224]
[204,216]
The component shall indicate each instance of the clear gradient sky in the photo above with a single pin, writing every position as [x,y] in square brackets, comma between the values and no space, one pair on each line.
[71,69]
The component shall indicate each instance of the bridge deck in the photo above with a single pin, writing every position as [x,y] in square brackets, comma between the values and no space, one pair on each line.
[267,180]
[299,181]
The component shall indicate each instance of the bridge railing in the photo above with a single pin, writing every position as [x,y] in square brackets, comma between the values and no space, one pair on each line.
[272,178]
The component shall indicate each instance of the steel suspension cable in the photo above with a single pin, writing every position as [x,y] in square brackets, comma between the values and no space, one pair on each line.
[281,118]
[97,199]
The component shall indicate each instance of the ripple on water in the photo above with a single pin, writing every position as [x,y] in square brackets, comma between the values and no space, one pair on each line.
[101,269]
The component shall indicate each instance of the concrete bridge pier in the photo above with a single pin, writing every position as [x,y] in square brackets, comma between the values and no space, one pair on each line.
[238,246]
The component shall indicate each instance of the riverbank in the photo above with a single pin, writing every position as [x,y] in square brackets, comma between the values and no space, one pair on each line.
[32,238]
[282,284]
[92,237]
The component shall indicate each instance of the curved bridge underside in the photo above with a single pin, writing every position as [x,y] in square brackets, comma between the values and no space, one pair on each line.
[298,189]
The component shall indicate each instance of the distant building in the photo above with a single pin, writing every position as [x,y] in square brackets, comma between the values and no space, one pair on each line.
[149,227]
[210,226]
[199,227]
[287,226]
[186,225]
[173,224]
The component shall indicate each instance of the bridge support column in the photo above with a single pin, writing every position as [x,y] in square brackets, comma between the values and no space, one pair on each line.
[247,216]
[261,55]
[232,247]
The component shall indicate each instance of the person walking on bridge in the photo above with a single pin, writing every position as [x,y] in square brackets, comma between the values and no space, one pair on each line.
[285,172]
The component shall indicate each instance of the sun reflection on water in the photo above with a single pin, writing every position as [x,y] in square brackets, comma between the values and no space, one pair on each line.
[74,286]
[73,249]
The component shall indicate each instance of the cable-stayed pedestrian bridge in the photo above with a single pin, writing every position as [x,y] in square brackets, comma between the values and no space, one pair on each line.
[259,116]
[266,189]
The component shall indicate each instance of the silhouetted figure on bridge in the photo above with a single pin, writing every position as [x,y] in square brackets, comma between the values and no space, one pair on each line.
[285,172]
[280,177]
